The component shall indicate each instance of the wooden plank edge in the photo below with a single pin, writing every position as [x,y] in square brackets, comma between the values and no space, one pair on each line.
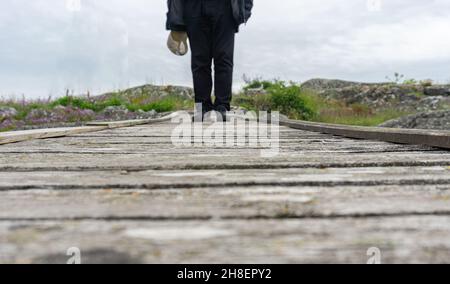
[129,123]
[434,138]
[19,136]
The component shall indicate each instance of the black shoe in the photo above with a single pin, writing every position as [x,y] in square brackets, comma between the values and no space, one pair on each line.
[201,117]
[223,112]
[201,113]
[198,117]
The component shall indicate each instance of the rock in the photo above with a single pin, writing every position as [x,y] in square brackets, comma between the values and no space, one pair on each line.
[122,113]
[433,103]
[41,117]
[239,110]
[152,113]
[10,124]
[438,90]
[404,98]
[256,91]
[150,93]
[326,84]
[86,113]
[115,112]
[72,114]
[425,120]
[7,112]
[38,113]
[60,108]
[140,114]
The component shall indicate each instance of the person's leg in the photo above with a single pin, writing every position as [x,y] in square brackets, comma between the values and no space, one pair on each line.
[199,33]
[224,30]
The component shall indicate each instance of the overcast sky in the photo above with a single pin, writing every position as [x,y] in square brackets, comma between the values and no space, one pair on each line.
[99,45]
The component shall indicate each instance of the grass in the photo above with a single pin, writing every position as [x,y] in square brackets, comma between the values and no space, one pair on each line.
[83,108]
[360,119]
[170,103]
[336,112]
[166,104]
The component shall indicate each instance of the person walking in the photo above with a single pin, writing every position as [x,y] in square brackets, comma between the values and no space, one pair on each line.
[210,26]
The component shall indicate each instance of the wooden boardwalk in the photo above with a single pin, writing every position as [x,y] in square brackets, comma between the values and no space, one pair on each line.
[128,195]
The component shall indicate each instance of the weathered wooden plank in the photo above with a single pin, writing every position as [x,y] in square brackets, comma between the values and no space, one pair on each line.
[299,159]
[433,138]
[167,140]
[18,136]
[107,147]
[164,134]
[165,130]
[334,144]
[226,178]
[72,146]
[135,122]
[113,193]
[226,203]
[424,239]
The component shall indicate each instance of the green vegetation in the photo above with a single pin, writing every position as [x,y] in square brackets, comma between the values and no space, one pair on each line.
[286,98]
[291,100]
[257,95]
[353,116]
[23,108]
[78,109]
[79,102]
[165,104]
[171,103]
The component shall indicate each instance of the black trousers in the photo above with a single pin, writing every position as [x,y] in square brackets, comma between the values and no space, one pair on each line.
[211,30]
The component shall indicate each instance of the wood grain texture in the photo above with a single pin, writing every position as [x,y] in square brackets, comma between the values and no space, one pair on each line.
[435,138]
[414,239]
[18,136]
[25,135]
[128,195]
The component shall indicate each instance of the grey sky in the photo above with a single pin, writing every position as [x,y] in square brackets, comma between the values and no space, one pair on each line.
[49,45]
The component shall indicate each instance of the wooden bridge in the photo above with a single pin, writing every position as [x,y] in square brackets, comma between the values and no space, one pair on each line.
[128,195]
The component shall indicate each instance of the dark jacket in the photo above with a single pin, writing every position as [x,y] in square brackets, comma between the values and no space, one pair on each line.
[242,11]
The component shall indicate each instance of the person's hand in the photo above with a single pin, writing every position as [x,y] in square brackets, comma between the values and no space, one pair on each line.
[177,43]
[179,36]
